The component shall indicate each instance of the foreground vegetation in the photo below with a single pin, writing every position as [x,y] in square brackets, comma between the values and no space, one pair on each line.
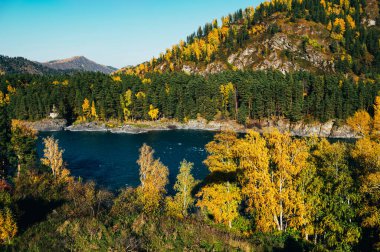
[263,193]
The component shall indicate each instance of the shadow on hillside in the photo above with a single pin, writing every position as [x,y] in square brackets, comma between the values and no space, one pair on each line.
[34,211]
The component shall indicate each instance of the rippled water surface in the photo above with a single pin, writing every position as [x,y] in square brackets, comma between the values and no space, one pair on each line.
[110,159]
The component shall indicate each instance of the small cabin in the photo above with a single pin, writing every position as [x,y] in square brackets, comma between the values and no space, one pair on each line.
[54,113]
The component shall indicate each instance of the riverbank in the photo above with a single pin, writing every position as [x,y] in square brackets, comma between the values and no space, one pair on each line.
[328,129]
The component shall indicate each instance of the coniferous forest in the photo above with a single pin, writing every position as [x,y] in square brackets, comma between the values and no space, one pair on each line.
[263,192]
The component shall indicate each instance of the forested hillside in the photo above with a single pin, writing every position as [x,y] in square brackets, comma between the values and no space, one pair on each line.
[313,35]
[229,95]
[18,65]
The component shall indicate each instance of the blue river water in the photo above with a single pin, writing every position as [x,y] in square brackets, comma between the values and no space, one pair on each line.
[110,159]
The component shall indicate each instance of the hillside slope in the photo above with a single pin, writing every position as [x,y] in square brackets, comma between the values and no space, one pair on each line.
[79,63]
[15,65]
[316,36]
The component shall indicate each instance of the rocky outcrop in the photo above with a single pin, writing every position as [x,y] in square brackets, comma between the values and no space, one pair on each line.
[47,124]
[301,129]
[328,129]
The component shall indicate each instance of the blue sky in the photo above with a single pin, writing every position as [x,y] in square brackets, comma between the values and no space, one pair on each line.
[110,32]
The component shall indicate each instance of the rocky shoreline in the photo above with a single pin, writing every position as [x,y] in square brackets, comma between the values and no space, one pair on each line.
[329,129]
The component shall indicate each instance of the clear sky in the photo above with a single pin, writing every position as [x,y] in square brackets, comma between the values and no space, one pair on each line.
[110,32]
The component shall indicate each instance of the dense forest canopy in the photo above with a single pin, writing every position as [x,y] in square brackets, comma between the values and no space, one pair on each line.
[235,95]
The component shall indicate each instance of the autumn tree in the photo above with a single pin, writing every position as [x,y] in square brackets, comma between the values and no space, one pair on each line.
[255,179]
[126,102]
[8,226]
[23,143]
[183,199]
[153,112]
[94,115]
[153,178]
[366,153]
[53,158]
[86,110]
[226,90]
[221,200]
[289,157]
[376,117]
[221,156]
[360,122]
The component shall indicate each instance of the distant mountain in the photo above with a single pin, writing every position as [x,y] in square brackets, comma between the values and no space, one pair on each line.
[13,65]
[79,63]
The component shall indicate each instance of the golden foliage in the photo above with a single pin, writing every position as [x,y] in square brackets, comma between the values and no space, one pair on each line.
[367,153]
[153,178]
[8,227]
[86,109]
[222,201]
[53,159]
[125,102]
[116,78]
[338,29]
[360,122]
[350,22]
[225,91]
[11,89]
[221,156]
[4,99]
[255,180]
[376,117]
[94,115]
[289,157]
[153,112]
[183,199]
[146,81]
[140,95]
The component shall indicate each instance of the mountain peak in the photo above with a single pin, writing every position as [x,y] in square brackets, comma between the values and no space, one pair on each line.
[79,63]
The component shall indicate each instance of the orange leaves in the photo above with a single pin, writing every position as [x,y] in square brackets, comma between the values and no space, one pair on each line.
[116,78]
[338,29]
[350,22]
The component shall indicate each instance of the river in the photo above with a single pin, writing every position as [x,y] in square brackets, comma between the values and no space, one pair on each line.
[110,159]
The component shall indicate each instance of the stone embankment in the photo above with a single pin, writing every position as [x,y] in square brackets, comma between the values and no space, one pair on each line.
[301,129]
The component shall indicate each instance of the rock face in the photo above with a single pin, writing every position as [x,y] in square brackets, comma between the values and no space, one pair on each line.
[79,63]
[47,124]
[328,129]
